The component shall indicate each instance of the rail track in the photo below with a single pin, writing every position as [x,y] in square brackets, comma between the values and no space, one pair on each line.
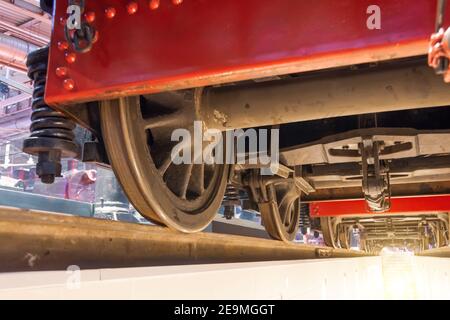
[443,252]
[33,240]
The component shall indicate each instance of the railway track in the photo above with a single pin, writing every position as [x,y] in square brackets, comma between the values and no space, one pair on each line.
[443,252]
[33,240]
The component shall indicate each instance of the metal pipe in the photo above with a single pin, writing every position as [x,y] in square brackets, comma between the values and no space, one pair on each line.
[13,100]
[24,88]
[14,51]
[31,36]
[26,9]
[302,99]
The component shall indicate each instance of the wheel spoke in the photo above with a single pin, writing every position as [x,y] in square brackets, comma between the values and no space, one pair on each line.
[163,121]
[137,141]
[197,183]
[288,217]
[185,180]
[165,165]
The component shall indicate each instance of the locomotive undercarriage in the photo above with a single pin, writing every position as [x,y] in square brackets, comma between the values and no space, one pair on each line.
[373,233]
[370,131]
[320,160]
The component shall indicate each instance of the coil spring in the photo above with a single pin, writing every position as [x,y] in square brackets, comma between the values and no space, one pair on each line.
[231,199]
[305,221]
[45,121]
[52,135]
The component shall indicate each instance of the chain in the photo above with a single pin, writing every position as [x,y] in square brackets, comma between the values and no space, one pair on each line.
[83,37]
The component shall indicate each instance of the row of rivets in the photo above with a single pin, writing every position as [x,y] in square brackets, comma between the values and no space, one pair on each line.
[110,12]
[132,7]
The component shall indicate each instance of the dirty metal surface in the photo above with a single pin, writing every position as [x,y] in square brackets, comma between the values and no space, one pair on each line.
[204,42]
[443,252]
[34,241]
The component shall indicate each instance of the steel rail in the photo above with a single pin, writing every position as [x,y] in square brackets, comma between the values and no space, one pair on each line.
[33,240]
[443,252]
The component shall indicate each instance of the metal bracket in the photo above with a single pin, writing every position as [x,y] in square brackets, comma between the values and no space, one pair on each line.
[375,184]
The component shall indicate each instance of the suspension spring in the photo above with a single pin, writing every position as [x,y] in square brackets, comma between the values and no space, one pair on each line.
[230,201]
[305,221]
[52,136]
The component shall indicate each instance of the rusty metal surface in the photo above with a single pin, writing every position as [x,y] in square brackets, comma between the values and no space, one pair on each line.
[34,240]
[293,100]
[443,252]
[204,42]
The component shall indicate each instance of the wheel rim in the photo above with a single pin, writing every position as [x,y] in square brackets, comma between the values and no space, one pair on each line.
[281,216]
[328,231]
[344,237]
[184,197]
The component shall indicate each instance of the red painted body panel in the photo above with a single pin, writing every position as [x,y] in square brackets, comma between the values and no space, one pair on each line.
[202,42]
[413,205]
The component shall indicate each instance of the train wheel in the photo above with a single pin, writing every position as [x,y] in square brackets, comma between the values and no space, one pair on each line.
[329,232]
[441,235]
[183,197]
[344,237]
[281,215]
[425,243]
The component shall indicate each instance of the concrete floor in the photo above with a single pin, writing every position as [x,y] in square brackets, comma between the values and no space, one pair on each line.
[390,276]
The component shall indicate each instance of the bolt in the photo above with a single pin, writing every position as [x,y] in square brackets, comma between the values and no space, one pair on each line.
[62,21]
[132,7]
[154,4]
[110,12]
[90,16]
[69,84]
[61,72]
[177,2]
[71,57]
[63,45]
[95,37]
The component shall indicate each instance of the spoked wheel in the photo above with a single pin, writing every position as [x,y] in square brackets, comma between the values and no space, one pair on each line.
[425,243]
[281,214]
[329,231]
[441,235]
[338,235]
[185,197]
[345,237]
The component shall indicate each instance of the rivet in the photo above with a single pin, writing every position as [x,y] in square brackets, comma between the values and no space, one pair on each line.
[61,72]
[132,7]
[95,37]
[110,12]
[177,2]
[90,16]
[62,21]
[63,45]
[154,4]
[71,57]
[69,84]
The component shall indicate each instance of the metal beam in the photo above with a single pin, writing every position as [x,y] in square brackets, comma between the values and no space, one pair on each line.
[40,17]
[412,205]
[324,96]
[438,253]
[14,100]
[19,67]
[61,240]
[29,35]
[26,24]
[17,85]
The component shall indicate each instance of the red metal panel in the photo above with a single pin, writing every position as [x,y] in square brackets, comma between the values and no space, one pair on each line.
[413,205]
[200,42]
